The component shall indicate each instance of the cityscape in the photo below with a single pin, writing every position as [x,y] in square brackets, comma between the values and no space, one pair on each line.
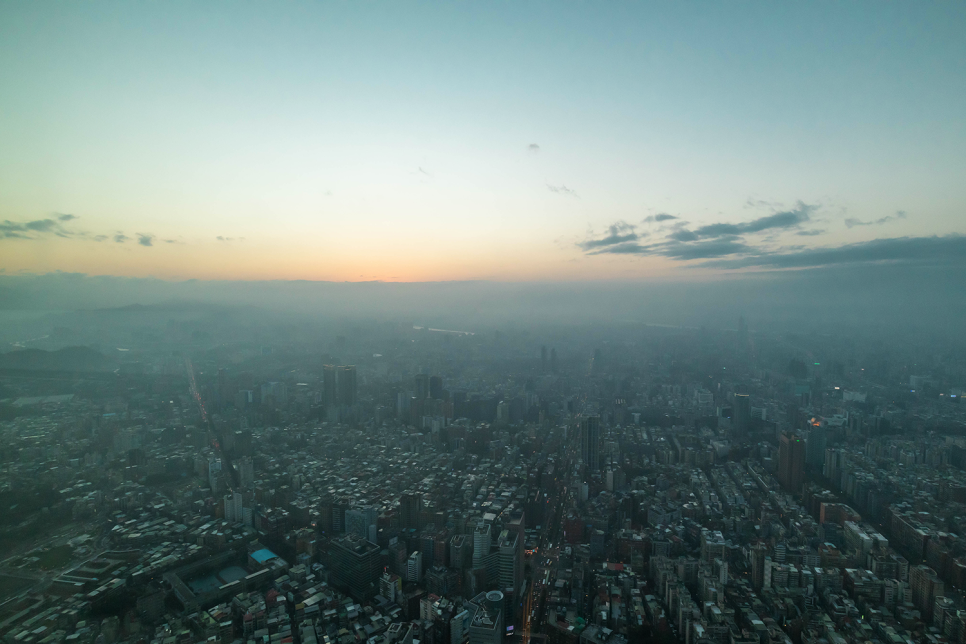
[436,322]
[599,485]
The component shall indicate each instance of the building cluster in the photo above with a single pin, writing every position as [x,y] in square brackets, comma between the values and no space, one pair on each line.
[456,494]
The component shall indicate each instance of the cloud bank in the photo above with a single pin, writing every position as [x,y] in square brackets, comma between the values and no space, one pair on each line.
[749,244]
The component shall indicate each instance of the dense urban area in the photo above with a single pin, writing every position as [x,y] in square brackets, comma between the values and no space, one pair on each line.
[170,478]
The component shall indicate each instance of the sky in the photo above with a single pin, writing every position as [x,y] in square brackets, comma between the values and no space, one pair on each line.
[497,141]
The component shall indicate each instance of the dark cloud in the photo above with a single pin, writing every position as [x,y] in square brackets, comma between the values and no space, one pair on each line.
[618,233]
[533,148]
[851,222]
[425,172]
[66,217]
[944,250]
[145,239]
[703,243]
[33,229]
[41,225]
[562,190]
[705,249]
[99,238]
[120,238]
[628,248]
[786,219]
[809,233]
[683,235]
[678,250]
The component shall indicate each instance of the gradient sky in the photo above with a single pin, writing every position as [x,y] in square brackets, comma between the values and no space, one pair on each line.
[508,141]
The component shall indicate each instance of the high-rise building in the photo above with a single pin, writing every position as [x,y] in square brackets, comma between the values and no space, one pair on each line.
[421,385]
[742,414]
[486,627]
[338,391]
[214,475]
[460,551]
[926,587]
[398,555]
[543,359]
[330,386]
[815,443]
[436,388]
[791,462]
[410,505]
[235,508]
[481,543]
[390,586]
[414,567]
[511,565]
[553,360]
[362,522]
[355,565]
[590,442]
[758,555]
[459,627]
[274,392]
[347,386]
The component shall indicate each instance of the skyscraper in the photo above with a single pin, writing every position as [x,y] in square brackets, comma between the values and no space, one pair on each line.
[355,565]
[742,414]
[815,444]
[338,391]
[758,555]
[421,385]
[414,567]
[590,442]
[926,586]
[791,462]
[330,386]
[436,387]
[409,507]
[486,626]
[511,564]
[347,386]
[481,544]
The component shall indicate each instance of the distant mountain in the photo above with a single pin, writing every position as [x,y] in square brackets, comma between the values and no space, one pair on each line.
[66,359]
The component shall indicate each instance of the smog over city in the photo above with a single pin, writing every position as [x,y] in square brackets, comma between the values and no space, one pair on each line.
[482,323]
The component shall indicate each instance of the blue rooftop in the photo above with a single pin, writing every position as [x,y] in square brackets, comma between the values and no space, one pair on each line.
[263,555]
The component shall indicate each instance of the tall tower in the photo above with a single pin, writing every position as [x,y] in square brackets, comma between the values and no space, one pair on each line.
[590,442]
[481,544]
[742,415]
[436,388]
[347,386]
[816,443]
[329,386]
[791,462]
[758,555]
[409,507]
[421,382]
